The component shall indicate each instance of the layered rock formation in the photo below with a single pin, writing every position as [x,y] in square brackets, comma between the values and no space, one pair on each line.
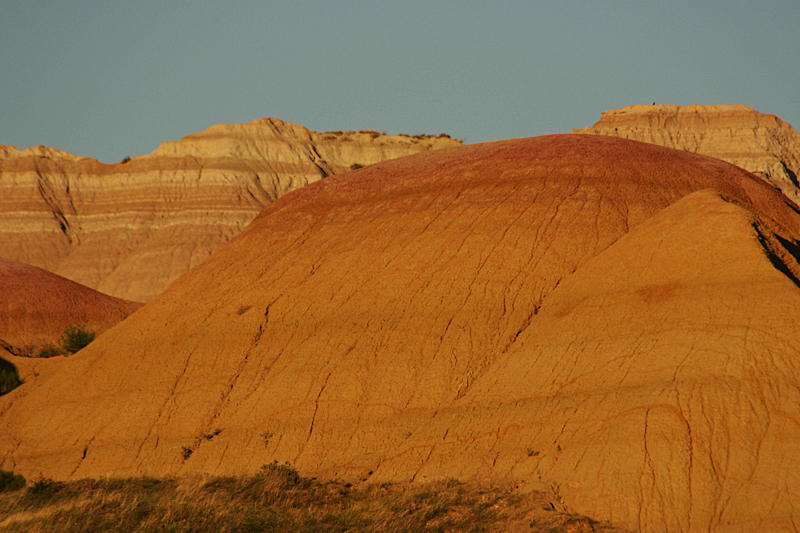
[130,229]
[763,144]
[609,320]
[36,306]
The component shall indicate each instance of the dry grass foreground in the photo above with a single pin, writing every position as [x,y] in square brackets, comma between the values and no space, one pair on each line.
[279,500]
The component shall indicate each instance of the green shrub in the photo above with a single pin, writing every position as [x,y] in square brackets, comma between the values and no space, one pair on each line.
[9,377]
[50,350]
[10,481]
[45,490]
[76,338]
[285,473]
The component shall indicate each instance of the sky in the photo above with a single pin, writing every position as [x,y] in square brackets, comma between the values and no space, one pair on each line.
[110,79]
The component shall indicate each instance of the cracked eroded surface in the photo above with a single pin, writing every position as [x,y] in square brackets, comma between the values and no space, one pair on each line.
[611,321]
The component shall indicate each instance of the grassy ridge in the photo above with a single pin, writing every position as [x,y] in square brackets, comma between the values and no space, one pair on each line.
[276,500]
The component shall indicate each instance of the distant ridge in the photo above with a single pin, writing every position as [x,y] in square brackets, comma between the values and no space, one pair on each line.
[130,229]
[763,144]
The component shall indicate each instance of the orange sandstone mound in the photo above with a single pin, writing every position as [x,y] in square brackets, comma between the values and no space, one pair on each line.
[36,306]
[131,228]
[609,320]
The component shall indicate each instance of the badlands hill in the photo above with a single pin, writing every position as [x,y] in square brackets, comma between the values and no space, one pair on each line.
[612,321]
[36,306]
[763,144]
[132,228]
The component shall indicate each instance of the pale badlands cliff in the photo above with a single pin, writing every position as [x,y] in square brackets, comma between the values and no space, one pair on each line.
[763,144]
[130,229]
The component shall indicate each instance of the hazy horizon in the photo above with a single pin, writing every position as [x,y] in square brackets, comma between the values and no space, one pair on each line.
[115,80]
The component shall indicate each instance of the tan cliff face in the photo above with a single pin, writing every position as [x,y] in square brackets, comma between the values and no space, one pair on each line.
[132,228]
[609,320]
[762,144]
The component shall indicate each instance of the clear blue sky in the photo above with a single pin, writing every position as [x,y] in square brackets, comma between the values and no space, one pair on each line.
[107,79]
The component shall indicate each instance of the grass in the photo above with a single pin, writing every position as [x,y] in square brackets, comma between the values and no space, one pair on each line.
[277,499]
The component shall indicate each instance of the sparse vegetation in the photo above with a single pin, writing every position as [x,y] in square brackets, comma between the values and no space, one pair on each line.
[9,481]
[275,500]
[76,338]
[50,350]
[356,166]
[125,159]
[9,377]
[209,436]
[332,135]
[46,490]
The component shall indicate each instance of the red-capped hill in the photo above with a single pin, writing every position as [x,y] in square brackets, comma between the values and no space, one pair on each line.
[610,320]
[36,306]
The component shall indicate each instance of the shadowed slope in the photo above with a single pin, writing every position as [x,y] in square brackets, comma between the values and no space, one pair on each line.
[538,309]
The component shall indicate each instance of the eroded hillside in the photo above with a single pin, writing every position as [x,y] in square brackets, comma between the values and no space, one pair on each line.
[130,229]
[608,320]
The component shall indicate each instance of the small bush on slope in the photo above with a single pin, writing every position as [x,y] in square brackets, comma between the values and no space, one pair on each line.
[9,481]
[50,350]
[76,338]
[9,377]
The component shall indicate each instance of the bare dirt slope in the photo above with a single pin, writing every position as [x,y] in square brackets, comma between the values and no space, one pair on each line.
[609,320]
[763,144]
[130,229]
[36,306]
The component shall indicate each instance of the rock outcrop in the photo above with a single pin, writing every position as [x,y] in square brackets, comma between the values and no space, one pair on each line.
[610,320]
[132,228]
[763,144]
[36,306]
